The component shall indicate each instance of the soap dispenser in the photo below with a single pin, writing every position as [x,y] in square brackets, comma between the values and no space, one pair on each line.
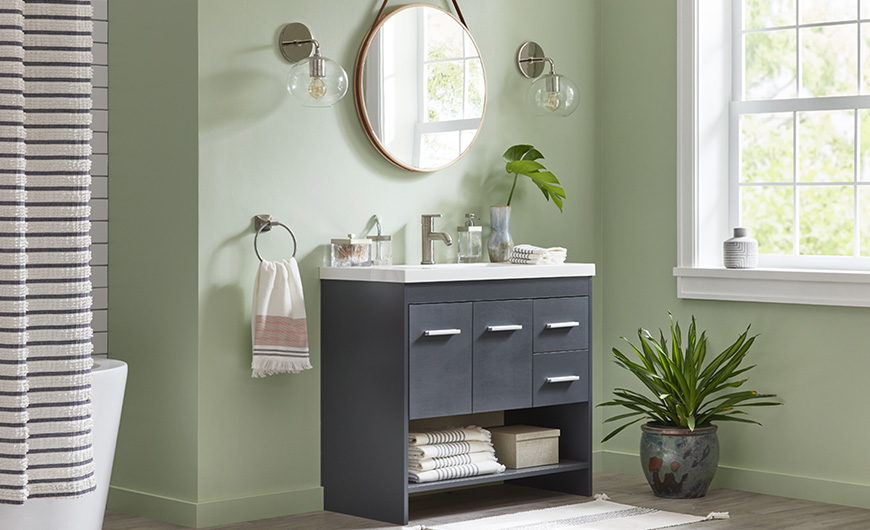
[382,246]
[470,241]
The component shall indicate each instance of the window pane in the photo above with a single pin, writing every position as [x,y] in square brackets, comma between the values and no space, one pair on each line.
[438,149]
[768,13]
[865,8]
[827,220]
[829,61]
[864,213]
[768,213]
[813,11]
[466,136]
[443,36]
[865,54]
[767,147]
[444,91]
[475,88]
[771,72]
[826,141]
[864,116]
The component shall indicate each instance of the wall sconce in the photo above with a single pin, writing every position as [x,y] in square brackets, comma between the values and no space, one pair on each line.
[315,81]
[551,94]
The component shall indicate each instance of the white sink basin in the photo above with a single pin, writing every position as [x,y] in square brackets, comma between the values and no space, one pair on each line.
[455,272]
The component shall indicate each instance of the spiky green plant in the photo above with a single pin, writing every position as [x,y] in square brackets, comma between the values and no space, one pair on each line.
[686,392]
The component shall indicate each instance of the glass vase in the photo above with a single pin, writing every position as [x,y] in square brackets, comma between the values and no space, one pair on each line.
[500,244]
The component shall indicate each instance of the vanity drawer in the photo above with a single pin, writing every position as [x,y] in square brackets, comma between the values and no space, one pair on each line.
[561,378]
[439,363]
[562,324]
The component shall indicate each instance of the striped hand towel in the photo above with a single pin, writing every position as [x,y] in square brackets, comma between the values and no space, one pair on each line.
[532,255]
[449,449]
[428,464]
[472,433]
[446,473]
[280,332]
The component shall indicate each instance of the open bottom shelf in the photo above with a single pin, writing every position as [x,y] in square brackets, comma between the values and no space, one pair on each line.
[509,474]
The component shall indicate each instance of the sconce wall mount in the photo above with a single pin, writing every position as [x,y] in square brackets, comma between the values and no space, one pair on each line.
[315,81]
[550,94]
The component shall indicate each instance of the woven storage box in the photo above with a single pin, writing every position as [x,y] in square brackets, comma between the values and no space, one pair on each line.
[518,446]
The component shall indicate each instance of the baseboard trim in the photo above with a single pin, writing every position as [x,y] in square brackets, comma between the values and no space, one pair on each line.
[217,512]
[229,511]
[152,506]
[756,481]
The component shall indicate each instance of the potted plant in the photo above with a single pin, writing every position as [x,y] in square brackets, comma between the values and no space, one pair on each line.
[519,160]
[679,448]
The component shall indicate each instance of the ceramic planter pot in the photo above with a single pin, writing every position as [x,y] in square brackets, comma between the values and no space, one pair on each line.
[500,244]
[679,463]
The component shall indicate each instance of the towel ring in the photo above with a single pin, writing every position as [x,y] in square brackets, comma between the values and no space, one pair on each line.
[265,227]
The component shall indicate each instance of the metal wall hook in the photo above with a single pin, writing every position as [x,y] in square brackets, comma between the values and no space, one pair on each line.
[264,223]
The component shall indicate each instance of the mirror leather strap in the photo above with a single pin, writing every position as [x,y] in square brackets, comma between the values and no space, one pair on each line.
[455,4]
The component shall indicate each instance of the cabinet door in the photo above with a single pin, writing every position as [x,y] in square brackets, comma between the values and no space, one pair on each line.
[502,355]
[562,324]
[439,382]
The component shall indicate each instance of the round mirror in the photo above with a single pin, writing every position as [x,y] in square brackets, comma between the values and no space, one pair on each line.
[420,88]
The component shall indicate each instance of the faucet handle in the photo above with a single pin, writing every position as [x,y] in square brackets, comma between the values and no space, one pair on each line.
[428,219]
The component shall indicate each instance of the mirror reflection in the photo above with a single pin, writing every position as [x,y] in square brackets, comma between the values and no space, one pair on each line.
[421,88]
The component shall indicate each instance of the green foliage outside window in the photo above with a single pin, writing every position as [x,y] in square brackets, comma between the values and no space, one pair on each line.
[823,204]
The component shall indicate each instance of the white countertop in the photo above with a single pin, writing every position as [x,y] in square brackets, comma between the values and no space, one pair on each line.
[455,272]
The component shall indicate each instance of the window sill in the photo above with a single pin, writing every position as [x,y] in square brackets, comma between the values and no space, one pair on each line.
[784,286]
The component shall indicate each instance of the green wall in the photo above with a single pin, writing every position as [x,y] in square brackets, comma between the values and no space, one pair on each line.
[205,137]
[153,251]
[815,358]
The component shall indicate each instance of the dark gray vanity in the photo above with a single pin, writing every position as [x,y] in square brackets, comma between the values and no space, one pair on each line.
[410,342]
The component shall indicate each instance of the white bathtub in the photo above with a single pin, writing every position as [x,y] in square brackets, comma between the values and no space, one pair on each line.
[86,512]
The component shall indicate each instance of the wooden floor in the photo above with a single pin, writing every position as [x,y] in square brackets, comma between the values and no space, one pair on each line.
[748,510]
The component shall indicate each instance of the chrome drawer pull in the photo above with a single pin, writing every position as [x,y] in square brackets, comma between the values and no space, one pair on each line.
[558,325]
[506,327]
[563,379]
[439,332]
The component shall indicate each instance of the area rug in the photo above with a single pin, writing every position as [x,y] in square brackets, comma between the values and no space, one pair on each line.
[600,514]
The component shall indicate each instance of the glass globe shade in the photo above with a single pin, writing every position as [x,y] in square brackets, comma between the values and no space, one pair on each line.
[317,91]
[544,101]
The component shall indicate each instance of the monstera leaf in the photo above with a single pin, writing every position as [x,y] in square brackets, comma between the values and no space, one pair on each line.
[523,160]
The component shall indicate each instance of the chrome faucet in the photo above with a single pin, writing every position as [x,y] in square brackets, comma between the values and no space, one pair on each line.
[429,237]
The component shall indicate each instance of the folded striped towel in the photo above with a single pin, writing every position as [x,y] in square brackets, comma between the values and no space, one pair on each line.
[449,449]
[279,327]
[531,255]
[446,473]
[472,433]
[428,464]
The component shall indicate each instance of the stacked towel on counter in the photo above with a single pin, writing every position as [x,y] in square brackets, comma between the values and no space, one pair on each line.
[451,453]
[532,255]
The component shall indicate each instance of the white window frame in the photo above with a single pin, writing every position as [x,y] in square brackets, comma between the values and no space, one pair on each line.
[703,118]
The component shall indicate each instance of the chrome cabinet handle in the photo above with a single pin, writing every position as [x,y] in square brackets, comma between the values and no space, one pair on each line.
[563,379]
[506,327]
[558,325]
[439,332]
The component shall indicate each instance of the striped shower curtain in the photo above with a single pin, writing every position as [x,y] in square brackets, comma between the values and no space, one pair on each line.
[45,289]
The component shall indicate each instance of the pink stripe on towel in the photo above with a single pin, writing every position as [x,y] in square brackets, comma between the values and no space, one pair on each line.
[278,324]
[281,331]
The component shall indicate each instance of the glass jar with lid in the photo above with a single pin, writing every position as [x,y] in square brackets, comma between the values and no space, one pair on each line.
[470,241]
[351,252]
